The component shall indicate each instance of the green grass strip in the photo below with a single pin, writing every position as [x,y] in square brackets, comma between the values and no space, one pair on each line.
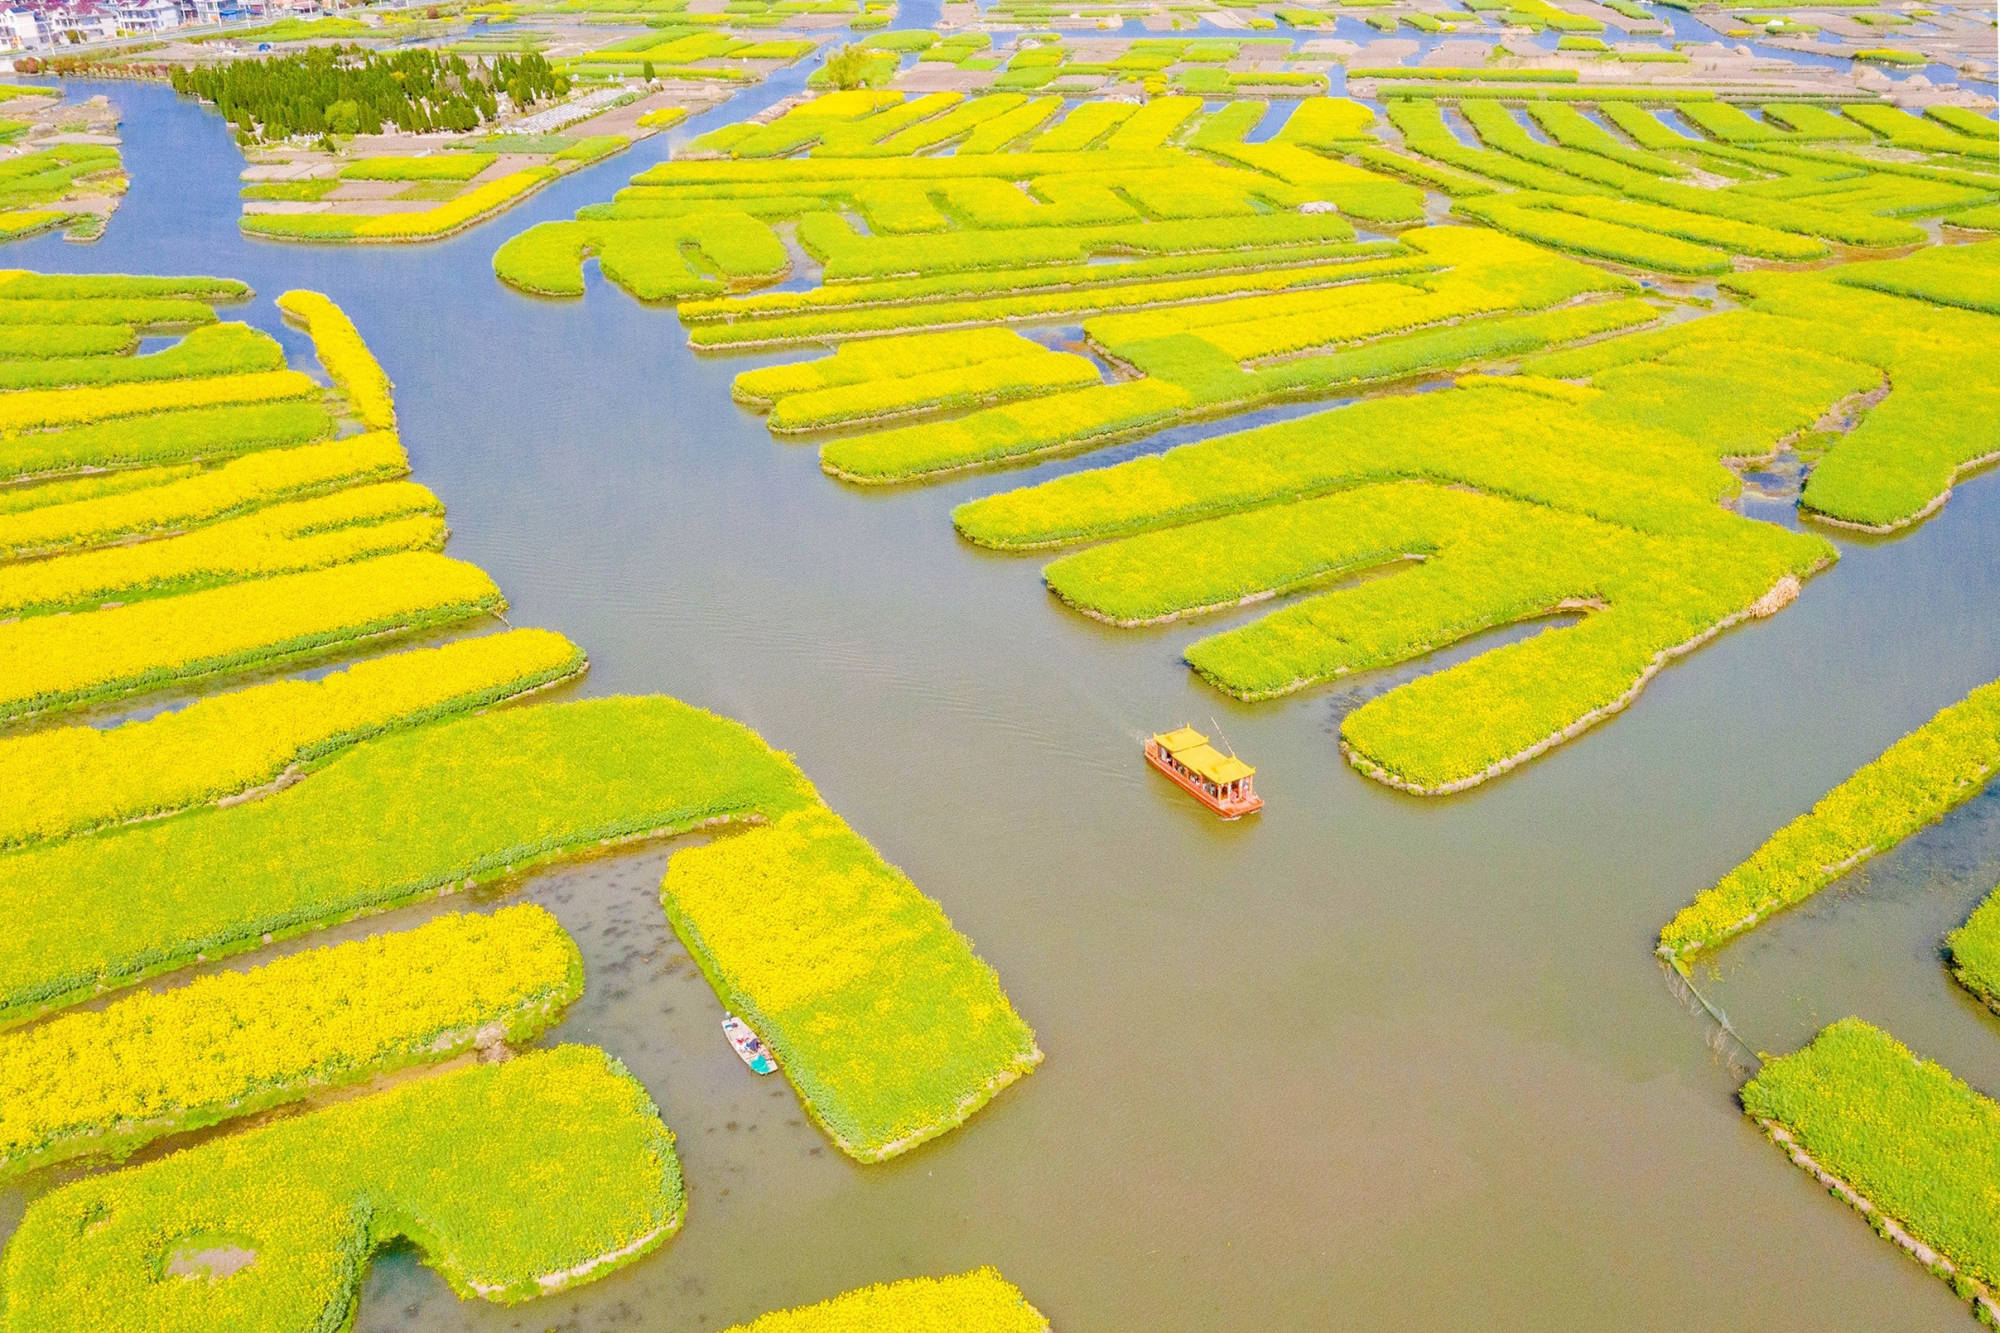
[1918,1146]
[109,1081]
[514,1180]
[20,284]
[70,780]
[1959,275]
[187,435]
[1914,783]
[890,1027]
[53,341]
[213,349]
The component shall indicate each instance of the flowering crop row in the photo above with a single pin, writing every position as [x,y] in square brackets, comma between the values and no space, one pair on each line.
[209,349]
[890,1027]
[68,780]
[1910,1138]
[153,312]
[402,817]
[977,1302]
[57,662]
[233,488]
[345,356]
[41,409]
[1476,562]
[1112,271]
[57,492]
[205,433]
[287,538]
[876,359]
[1913,783]
[1192,356]
[22,284]
[50,341]
[646,258]
[1021,371]
[429,167]
[514,1179]
[425,225]
[231,1043]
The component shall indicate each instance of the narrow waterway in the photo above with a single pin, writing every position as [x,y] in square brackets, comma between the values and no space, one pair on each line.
[1367,1062]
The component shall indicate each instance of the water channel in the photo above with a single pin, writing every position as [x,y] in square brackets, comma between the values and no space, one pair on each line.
[1367,1062]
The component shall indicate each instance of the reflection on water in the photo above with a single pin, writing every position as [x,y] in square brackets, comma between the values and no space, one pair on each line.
[1368,1061]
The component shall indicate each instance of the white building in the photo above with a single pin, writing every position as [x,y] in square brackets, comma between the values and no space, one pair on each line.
[22,30]
[147,15]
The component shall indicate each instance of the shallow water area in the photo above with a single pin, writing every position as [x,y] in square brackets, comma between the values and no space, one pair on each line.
[1367,1061]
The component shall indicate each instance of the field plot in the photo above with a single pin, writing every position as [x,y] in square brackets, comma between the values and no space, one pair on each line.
[59,165]
[879,1012]
[1213,272]
[517,1179]
[1900,1139]
[200,512]
[977,1302]
[1941,765]
[110,1080]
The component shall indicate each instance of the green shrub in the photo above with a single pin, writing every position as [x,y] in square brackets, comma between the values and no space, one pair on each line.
[514,1179]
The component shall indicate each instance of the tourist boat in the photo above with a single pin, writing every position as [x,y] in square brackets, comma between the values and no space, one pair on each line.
[749,1046]
[1219,781]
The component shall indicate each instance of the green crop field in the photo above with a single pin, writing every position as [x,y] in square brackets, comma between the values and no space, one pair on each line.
[1912,1140]
[889,1026]
[1939,766]
[111,1080]
[516,1179]
[1213,275]
[160,536]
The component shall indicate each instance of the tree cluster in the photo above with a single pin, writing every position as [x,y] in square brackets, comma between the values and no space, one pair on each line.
[346,90]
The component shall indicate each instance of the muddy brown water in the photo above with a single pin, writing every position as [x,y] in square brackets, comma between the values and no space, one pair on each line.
[1368,1061]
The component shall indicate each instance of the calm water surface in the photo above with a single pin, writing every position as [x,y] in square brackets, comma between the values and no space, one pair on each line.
[1369,1062]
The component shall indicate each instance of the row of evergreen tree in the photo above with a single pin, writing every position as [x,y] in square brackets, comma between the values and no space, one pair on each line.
[347,90]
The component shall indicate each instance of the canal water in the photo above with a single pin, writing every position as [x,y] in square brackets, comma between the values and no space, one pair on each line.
[1365,1062]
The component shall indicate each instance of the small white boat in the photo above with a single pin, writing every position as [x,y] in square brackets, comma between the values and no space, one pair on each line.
[749,1045]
